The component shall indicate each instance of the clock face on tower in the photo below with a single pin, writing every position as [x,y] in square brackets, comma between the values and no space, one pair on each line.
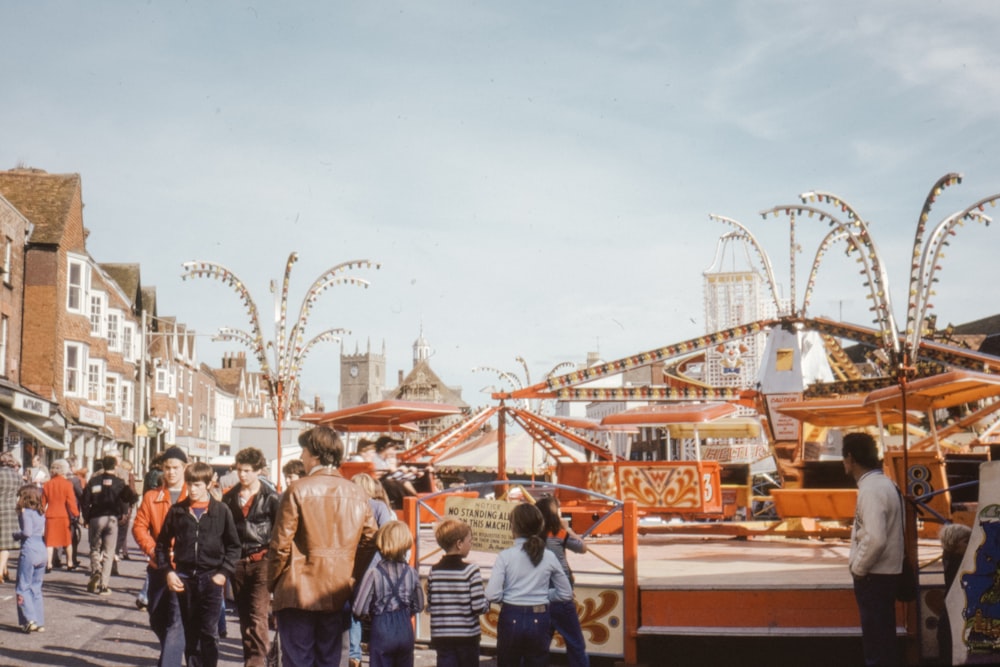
[354,371]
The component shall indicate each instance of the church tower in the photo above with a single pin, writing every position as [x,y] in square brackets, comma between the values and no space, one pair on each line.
[362,376]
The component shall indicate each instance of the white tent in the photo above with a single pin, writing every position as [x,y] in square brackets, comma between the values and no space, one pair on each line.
[481,455]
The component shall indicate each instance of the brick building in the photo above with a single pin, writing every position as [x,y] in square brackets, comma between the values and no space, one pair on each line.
[79,333]
[27,420]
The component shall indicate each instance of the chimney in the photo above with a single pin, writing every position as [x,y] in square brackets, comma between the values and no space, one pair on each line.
[400,378]
[593,358]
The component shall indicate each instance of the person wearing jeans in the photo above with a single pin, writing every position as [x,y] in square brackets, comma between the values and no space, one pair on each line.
[323,540]
[254,506]
[164,611]
[198,547]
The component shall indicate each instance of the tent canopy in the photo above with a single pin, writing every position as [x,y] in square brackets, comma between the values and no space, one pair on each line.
[523,455]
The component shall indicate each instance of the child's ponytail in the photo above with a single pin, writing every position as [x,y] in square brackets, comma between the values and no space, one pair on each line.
[527,522]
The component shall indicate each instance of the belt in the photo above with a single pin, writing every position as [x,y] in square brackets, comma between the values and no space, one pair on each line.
[256,555]
[535,609]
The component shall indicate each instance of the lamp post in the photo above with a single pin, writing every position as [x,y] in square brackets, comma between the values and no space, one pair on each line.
[288,348]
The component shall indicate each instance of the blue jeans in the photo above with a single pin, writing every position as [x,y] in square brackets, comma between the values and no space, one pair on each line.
[458,655]
[165,619]
[523,636]
[28,589]
[876,597]
[391,643]
[566,622]
[310,638]
[354,640]
[200,603]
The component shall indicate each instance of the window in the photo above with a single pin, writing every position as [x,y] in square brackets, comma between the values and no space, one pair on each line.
[191,384]
[161,381]
[96,313]
[125,400]
[76,286]
[114,331]
[128,341]
[73,365]
[95,381]
[3,345]
[190,418]
[8,248]
[203,426]
[111,394]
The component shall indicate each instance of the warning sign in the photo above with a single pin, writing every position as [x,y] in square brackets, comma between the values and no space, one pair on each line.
[489,519]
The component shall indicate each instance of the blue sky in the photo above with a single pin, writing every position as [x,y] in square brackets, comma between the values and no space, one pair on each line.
[535,178]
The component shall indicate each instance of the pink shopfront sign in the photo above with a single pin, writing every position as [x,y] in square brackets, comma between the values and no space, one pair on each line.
[91,416]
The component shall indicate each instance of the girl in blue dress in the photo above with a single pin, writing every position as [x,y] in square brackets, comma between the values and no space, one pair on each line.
[31,563]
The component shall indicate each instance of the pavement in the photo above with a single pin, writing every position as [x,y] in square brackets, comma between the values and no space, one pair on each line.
[84,629]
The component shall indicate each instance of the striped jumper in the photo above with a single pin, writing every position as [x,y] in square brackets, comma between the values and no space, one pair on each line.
[455,601]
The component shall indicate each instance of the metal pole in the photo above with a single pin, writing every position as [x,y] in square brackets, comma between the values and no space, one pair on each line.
[143,459]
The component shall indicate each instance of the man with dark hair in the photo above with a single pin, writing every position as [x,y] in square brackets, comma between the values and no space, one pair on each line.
[254,507]
[164,609]
[323,540]
[876,558]
[105,499]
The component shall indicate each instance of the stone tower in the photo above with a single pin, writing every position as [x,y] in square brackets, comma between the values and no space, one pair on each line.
[362,377]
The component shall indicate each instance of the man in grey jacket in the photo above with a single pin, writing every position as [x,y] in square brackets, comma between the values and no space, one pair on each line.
[876,558]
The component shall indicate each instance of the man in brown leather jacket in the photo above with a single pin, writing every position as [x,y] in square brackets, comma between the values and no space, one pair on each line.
[322,542]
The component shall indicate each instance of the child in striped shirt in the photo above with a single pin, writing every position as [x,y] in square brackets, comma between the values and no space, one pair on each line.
[455,598]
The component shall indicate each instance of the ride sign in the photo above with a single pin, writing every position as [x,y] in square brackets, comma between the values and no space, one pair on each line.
[489,519]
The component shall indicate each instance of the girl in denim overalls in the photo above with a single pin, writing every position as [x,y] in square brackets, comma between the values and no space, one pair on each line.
[390,595]
[31,563]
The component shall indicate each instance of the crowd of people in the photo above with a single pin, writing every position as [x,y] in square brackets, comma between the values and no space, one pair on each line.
[303,567]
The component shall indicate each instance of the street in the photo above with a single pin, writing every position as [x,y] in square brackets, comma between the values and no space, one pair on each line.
[86,629]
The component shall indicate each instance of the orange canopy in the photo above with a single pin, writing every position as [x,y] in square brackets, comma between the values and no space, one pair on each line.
[657,415]
[585,424]
[842,412]
[381,416]
[938,391]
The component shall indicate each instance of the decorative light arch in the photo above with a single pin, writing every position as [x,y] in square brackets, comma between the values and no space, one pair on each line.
[288,351]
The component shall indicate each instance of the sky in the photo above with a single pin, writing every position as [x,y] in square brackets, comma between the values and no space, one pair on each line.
[534,178]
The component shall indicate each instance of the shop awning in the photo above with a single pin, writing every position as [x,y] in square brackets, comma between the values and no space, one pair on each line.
[35,432]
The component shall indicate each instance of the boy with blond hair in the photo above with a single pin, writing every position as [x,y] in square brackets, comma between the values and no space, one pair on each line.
[455,598]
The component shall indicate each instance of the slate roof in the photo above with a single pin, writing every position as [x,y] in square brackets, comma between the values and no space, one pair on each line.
[44,199]
[127,277]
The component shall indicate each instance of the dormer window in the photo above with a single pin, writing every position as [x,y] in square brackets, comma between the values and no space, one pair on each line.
[76,286]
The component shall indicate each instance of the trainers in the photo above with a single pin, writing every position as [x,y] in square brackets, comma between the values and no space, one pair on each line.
[40,628]
[105,591]
[141,604]
[95,582]
[30,626]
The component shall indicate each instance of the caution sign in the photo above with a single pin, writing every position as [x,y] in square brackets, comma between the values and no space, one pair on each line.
[489,519]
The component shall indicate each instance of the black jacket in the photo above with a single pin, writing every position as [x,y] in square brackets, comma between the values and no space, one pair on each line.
[105,495]
[255,529]
[210,544]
